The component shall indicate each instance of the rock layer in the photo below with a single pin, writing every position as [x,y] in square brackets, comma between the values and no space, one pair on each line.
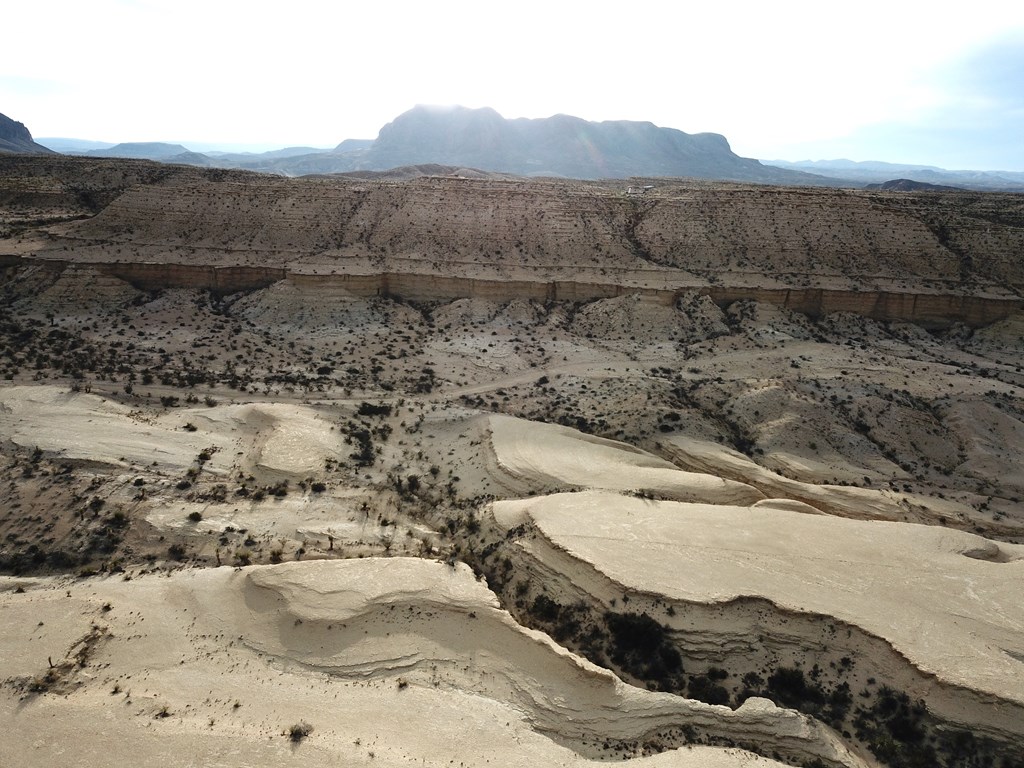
[926,257]
[944,601]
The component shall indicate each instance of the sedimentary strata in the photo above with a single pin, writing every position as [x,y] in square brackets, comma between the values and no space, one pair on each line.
[931,258]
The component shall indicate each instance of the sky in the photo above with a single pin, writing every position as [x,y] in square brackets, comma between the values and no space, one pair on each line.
[934,83]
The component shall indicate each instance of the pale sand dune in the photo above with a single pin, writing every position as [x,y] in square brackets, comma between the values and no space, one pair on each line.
[296,442]
[948,601]
[90,428]
[344,646]
[270,440]
[553,456]
[842,500]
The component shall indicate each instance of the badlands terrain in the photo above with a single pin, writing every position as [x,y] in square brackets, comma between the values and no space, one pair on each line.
[442,468]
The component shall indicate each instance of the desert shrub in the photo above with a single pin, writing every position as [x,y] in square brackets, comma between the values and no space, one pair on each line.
[369,409]
[60,559]
[704,689]
[642,647]
[788,686]
[635,632]
[545,609]
[366,454]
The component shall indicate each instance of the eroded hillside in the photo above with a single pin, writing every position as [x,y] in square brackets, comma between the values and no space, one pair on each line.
[701,526]
[921,257]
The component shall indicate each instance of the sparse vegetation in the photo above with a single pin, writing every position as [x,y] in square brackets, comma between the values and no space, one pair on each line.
[395,454]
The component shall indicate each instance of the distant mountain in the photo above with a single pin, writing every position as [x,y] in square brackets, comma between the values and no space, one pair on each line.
[482,139]
[72,146]
[851,165]
[875,172]
[559,146]
[244,157]
[562,145]
[143,150]
[16,138]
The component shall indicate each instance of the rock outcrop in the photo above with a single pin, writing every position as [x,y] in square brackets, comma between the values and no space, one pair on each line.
[16,138]
[733,594]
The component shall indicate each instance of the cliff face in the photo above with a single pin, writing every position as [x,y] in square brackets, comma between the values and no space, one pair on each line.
[16,138]
[932,257]
[929,310]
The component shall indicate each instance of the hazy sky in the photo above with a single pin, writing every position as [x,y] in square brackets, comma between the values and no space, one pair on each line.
[925,82]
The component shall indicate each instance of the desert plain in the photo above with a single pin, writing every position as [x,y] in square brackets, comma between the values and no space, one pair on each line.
[445,468]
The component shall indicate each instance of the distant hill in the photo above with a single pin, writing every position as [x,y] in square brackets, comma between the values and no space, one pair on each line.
[72,146]
[143,150]
[247,157]
[192,158]
[909,185]
[16,138]
[875,172]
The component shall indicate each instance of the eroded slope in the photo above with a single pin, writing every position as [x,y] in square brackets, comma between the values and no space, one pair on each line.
[221,665]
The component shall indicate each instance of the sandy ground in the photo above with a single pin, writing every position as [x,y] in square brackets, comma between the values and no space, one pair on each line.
[549,455]
[945,600]
[846,473]
[216,666]
[840,500]
[275,441]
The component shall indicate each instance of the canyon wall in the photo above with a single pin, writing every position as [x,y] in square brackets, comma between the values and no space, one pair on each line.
[936,310]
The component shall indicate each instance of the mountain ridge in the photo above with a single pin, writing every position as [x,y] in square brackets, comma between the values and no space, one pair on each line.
[868,172]
[558,146]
